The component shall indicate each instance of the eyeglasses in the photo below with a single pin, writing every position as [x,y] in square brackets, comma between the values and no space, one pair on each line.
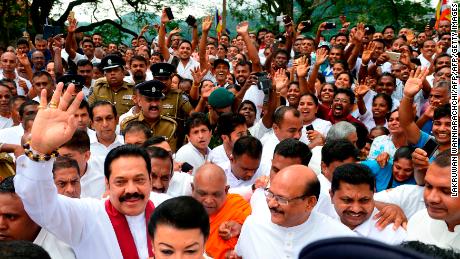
[281,200]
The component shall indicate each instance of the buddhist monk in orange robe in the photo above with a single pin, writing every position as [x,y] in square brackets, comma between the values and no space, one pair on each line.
[227,212]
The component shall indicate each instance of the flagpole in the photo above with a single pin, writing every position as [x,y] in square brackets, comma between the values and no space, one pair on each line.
[224,15]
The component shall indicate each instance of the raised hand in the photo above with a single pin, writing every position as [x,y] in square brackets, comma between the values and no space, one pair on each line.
[382,159]
[321,55]
[144,29]
[206,92]
[361,90]
[302,66]
[198,74]
[175,31]
[281,80]
[55,124]
[367,53]
[415,81]
[72,25]
[207,23]
[242,27]
[359,34]
[23,59]
[164,17]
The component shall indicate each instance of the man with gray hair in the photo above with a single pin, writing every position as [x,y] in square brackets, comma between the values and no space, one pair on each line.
[439,95]
[342,130]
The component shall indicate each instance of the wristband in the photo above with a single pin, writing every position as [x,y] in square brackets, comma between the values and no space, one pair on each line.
[408,98]
[38,157]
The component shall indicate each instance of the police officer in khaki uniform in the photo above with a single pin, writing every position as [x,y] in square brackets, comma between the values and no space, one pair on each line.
[176,104]
[150,97]
[112,88]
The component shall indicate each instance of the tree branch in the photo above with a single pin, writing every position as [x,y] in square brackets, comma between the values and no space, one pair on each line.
[71,5]
[90,27]
[116,13]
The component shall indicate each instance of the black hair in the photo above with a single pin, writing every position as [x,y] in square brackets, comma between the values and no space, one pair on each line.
[382,128]
[442,111]
[84,62]
[244,63]
[362,133]
[347,92]
[443,159]
[354,174]
[154,141]
[137,126]
[15,98]
[7,185]
[387,74]
[293,148]
[161,153]
[227,123]
[315,99]
[42,73]
[379,41]
[279,113]
[338,150]
[87,41]
[125,151]
[101,103]
[182,212]
[403,152]
[22,41]
[430,250]
[24,105]
[156,53]
[345,68]
[79,142]
[63,162]
[387,99]
[247,102]
[313,188]
[139,58]
[247,145]
[21,249]
[84,104]
[185,41]
[388,27]
[196,119]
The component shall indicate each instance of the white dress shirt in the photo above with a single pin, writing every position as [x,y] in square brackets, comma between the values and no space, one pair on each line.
[259,206]
[408,197]
[92,182]
[324,204]
[269,142]
[423,228]
[320,125]
[190,154]
[5,122]
[234,182]
[19,89]
[180,185]
[185,71]
[99,151]
[81,223]
[315,161]
[387,235]
[218,155]
[53,246]
[12,135]
[258,130]
[261,238]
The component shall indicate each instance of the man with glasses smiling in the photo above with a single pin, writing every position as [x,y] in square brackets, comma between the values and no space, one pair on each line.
[293,224]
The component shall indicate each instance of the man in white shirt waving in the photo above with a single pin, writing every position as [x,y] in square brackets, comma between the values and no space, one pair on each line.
[293,224]
[440,220]
[93,228]
[352,192]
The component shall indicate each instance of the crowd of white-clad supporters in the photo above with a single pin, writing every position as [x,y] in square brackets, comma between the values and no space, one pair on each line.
[290,138]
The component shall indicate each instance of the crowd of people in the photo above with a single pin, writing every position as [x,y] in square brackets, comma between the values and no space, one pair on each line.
[253,145]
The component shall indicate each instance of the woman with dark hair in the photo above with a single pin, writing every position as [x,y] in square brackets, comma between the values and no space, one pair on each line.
[308,107]
[381,107]
[248,109]
[398,172]
[179,228]
[326,94]
[293,94]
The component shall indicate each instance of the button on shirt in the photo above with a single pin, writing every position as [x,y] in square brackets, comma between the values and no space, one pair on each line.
[387,235]
[433,232]
[261,238]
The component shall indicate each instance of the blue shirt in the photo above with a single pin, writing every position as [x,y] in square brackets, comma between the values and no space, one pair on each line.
[383,176]
[422,141]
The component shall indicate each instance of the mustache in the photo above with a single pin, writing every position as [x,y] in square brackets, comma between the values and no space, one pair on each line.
[128,196]
[275,210]
[159,190]
[154,107]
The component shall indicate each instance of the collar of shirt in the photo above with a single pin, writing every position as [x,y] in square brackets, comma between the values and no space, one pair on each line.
[365,228]
[198,151]
[93,139]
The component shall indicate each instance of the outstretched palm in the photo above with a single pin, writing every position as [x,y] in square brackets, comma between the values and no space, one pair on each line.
[55,126]
[242,27]
[415,81]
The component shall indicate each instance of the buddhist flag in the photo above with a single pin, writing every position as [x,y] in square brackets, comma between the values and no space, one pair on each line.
[218,20]
[442,12]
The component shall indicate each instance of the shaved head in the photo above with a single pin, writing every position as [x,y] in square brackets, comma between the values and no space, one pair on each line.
[299,186]
[210,187]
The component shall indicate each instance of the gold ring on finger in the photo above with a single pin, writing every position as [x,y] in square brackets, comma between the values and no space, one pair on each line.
[53,105]
[41,107]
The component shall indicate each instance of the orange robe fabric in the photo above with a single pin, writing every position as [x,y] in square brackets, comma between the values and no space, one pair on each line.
[237,209]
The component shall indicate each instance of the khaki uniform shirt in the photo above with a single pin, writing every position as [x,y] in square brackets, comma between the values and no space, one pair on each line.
[176,105]
[122,99]
[165,127]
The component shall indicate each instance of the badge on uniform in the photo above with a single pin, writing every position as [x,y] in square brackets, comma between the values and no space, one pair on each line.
[127,97]
[109,62]
[168,106]
[153,89]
